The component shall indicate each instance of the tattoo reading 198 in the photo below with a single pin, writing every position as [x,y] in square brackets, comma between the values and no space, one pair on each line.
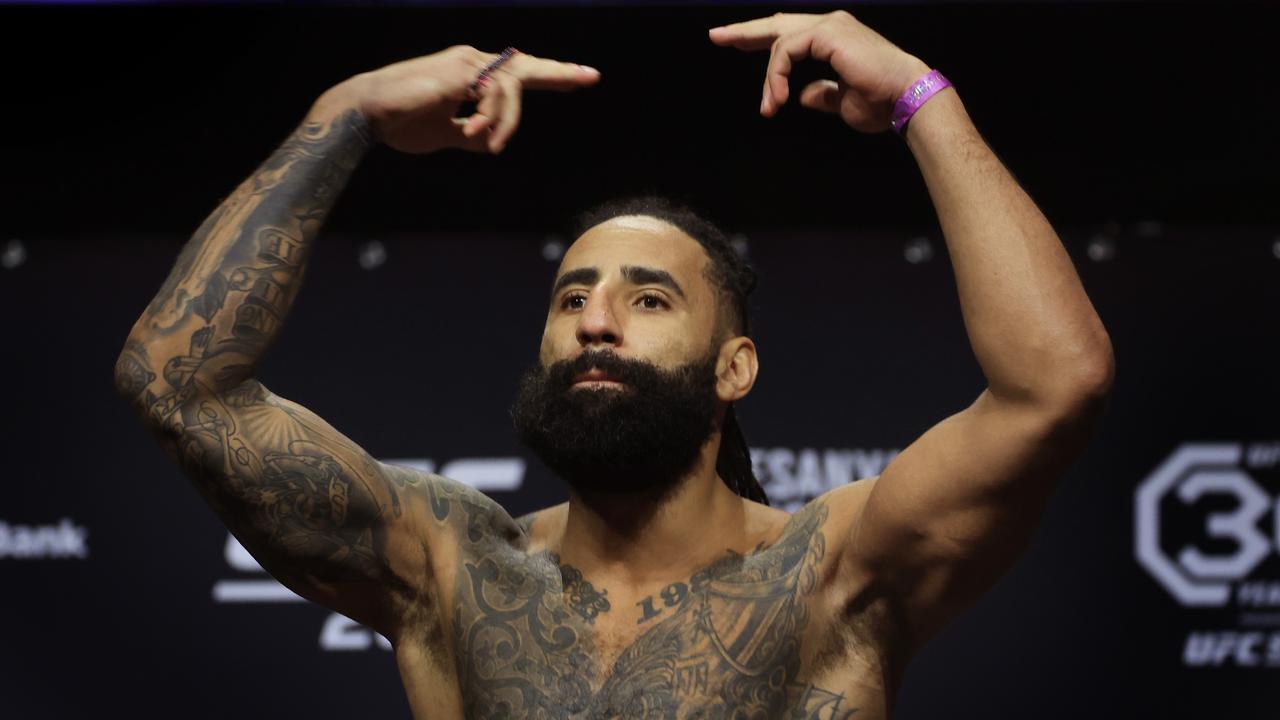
[671,596]
[588,602]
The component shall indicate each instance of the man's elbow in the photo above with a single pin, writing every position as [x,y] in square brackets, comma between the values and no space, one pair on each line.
[1078,390]
[133,372]
[1094,371]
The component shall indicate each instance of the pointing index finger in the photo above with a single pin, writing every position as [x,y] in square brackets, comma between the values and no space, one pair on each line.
[757,34]
[537,73]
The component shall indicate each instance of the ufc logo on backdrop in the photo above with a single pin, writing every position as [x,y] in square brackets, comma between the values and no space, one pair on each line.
[1195,576]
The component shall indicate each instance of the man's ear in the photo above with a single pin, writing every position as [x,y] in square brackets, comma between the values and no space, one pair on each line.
[736,368]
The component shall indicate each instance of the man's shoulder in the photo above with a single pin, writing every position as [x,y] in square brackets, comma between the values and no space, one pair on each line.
[441,506]
[850,496]
[538,524]
[841,503]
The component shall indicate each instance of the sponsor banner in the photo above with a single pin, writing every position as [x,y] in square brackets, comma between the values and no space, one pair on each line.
[1207,529]
[793,477]
[60,541]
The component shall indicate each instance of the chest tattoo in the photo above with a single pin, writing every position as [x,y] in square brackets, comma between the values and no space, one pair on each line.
[723,645]
[581,596]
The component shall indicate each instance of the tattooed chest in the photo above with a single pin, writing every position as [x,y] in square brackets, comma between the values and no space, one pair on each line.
[530,642]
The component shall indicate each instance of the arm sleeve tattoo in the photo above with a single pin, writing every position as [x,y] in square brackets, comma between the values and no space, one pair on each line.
[317,511]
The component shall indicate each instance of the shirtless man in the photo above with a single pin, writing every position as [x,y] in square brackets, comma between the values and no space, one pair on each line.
[657,590]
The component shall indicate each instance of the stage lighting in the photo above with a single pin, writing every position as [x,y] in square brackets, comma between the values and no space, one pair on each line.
[918,250]
[553,249]
[14,254]
[371,255]
[1101,248]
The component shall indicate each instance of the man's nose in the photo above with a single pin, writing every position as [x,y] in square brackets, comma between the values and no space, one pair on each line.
[597,325]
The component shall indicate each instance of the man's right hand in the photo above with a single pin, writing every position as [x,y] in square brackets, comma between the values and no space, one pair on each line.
[411,105]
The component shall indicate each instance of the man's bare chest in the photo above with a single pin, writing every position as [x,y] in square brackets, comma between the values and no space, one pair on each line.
[534,638]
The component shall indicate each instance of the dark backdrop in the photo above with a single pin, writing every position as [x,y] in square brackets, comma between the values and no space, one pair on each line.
[1143,131]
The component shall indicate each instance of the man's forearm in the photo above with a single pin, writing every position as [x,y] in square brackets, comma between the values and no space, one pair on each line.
[234,282]
[1032,327]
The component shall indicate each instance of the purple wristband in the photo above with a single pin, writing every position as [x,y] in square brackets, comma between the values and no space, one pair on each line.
[915,97]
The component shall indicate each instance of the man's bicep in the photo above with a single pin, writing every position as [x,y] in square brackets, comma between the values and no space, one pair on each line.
[953,511]
[310,505]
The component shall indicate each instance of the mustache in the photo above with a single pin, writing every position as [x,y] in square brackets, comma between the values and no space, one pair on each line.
[562,372]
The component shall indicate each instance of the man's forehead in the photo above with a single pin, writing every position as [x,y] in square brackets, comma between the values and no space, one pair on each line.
[635,239]
[637,223]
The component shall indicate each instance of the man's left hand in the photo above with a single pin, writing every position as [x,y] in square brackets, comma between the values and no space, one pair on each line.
[873,72]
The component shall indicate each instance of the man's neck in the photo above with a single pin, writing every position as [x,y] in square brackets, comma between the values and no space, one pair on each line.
[641,539]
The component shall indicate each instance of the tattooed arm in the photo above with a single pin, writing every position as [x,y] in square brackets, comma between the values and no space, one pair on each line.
[312,507]
[315,509]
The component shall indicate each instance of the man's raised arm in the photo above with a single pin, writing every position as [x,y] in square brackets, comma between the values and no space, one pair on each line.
[316,510]
[953,510]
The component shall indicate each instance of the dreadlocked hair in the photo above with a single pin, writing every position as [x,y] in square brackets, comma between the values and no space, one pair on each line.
[728,271]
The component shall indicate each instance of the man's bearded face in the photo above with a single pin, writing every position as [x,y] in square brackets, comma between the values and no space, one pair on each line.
[638,437]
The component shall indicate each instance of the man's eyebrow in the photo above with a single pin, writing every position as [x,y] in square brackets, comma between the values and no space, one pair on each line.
[651,276]
[579,276]
[634,274]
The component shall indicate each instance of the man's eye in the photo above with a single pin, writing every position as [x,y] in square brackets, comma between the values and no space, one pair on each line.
[571,302]
[652,302]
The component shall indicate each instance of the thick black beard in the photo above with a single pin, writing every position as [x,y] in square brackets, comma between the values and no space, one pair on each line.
[640,439]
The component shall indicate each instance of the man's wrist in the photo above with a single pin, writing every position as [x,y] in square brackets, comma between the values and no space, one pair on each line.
[941,119]
[914,70]
[340,134]
[338,101]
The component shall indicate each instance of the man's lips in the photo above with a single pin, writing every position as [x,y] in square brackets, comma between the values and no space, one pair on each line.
[596,377]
